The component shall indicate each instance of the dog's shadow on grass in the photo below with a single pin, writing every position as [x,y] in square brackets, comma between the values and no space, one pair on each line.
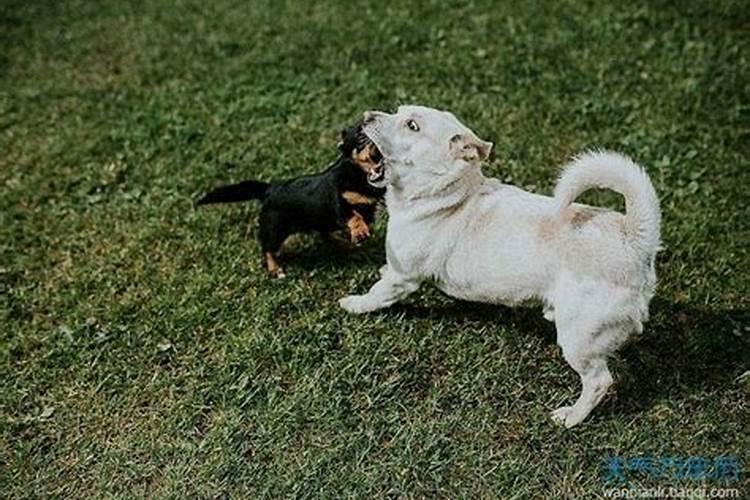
[311,253]
[684,348]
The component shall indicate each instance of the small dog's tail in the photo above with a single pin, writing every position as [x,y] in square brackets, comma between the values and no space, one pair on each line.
[621,174]
[242,191]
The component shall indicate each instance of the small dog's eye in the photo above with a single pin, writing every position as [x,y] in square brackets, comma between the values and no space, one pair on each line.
[412,125]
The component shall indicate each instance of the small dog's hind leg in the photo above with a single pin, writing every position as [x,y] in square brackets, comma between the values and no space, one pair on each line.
[272,265]
[271,237]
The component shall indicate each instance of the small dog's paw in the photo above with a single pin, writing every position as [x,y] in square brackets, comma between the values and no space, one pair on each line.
[277,272]
[355,304]
[566,416]
[359,232]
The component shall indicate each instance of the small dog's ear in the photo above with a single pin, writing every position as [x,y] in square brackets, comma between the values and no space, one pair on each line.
[470,148]
[342,140]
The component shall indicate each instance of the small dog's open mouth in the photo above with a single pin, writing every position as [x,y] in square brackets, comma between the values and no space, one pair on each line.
[377,172]
[369,158]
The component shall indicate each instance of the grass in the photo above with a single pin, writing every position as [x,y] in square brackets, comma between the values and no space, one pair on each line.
[144,353]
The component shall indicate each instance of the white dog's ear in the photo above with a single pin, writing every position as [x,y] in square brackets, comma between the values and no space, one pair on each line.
[470,148]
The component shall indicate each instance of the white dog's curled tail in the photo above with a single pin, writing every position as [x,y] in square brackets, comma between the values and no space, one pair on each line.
[619,173]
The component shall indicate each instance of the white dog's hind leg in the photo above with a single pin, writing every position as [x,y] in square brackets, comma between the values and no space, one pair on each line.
[585,346]
[593,319]
[596,379]
[391,288]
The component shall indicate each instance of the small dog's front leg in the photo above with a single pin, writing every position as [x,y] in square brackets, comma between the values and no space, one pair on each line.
[359,231]
[391,288]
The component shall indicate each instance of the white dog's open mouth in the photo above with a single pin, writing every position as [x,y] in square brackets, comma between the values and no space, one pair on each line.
[376,174]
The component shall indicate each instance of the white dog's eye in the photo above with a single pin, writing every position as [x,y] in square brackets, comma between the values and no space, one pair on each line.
[412,125]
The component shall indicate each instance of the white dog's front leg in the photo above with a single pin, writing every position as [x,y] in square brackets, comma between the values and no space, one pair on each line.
[391,288]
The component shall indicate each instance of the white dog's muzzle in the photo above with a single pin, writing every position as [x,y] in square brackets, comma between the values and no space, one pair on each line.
[379,175]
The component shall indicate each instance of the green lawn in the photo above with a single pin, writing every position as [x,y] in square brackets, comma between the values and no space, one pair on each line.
[143,351]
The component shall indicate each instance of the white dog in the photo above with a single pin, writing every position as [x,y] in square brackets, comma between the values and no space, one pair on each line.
[477,239]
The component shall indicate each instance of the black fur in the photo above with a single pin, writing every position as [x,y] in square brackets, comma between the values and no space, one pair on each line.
[242,191]
[311,202]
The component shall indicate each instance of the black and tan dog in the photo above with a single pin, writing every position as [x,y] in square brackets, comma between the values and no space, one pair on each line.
[338,198]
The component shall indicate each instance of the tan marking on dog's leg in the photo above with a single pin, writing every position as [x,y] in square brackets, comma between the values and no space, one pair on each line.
[274,269]
[358,228]
[356,198]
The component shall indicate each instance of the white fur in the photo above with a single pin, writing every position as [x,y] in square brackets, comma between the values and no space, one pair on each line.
[478,239]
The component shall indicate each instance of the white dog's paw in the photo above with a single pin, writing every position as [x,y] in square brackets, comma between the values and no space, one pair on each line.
[356,304]
[566,416]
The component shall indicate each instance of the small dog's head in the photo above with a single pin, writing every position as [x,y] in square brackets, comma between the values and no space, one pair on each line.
[420,144]
[355,144]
